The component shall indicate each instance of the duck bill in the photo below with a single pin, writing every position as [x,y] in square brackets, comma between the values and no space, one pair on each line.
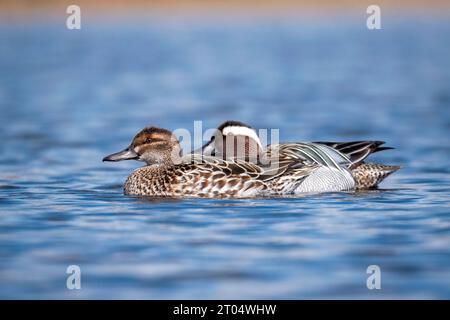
[127,154]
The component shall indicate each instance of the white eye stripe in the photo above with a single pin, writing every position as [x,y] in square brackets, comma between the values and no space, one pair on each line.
[242,131]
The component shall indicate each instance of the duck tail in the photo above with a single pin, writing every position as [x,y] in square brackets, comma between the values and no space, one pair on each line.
[369,175]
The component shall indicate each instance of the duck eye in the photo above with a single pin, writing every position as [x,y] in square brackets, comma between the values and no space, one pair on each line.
[148,140]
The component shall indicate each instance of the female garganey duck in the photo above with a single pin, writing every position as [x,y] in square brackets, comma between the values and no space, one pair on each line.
[168,173]
[327,166]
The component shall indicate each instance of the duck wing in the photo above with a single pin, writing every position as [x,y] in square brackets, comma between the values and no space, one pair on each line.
[309,163]
[308,154]
[228,166]
[356,151]
[262,171]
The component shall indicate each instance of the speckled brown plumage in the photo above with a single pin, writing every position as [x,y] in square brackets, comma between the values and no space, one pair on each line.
[197,179]
[369,175]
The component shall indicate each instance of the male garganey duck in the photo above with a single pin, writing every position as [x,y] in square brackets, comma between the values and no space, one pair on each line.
[329,166]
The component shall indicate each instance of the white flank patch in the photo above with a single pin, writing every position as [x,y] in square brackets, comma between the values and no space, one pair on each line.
[242,131]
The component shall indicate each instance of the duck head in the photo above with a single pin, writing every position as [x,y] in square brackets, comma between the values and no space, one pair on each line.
[153,146]
[234,139]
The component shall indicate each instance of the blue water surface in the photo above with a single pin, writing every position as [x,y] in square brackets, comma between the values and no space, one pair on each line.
[68,98]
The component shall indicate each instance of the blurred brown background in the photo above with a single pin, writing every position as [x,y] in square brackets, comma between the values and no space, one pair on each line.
[181,6]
